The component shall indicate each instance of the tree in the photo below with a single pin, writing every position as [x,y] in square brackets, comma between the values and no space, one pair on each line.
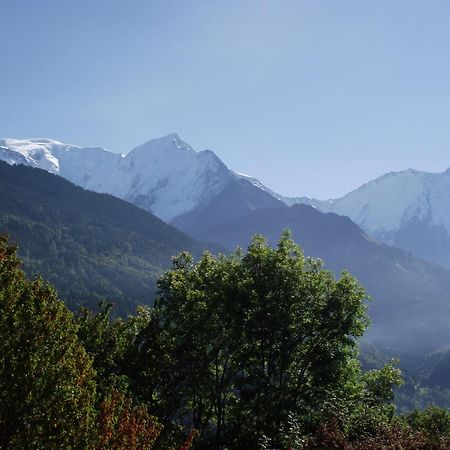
[124,426]
[245,341]
[108,341]
[47,392]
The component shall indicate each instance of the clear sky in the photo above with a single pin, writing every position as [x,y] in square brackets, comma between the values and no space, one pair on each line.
[311,97]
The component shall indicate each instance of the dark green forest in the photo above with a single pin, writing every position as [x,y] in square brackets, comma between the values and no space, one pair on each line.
[255,350]
[91,246]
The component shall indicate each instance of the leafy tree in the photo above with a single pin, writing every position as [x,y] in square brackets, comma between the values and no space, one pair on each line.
[124,426]
[434,422]
[108,341]
[254,350]
[237,344]
[47,390]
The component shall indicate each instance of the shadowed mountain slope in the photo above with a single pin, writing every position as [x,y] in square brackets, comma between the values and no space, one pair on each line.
[411,297]
[236,201]
[90,246]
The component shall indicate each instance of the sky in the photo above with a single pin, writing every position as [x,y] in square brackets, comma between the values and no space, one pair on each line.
[311,97]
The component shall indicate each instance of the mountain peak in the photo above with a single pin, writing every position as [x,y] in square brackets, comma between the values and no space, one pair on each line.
[172,139]
[170,142]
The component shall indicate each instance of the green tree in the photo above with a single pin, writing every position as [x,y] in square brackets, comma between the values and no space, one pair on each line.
[238,344]
[434,422]
[47,390]
[108,341]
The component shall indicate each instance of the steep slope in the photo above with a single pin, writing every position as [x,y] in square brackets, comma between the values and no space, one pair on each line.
[170,178]
[411,297]
[237,200]
[90,246]
[408,209]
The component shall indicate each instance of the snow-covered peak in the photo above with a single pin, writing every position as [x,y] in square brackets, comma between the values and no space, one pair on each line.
[170,178]
[34,142]
[169,143]
[382,206]
[386,201]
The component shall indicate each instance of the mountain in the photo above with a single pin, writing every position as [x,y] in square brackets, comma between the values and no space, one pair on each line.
[411,297]
[236,201]
[164,176]
[408,209]
[90,246]
[193,190]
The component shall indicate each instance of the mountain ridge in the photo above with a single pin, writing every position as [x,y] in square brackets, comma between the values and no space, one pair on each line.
[409,209]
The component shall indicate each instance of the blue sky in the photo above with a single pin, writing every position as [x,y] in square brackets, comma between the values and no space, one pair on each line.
[311,97]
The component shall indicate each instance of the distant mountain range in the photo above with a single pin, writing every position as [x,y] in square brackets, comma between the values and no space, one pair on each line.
[408,209]
[91,246]
[198,194]
[165,176]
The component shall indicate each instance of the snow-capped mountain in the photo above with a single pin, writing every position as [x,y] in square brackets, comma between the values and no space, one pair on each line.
[164,176]
[408,209]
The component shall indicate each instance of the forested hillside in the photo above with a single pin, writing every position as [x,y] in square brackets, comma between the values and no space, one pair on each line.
[90,246]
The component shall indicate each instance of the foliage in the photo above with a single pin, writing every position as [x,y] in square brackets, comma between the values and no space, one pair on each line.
[109,341]
[434,422]
[124,426]
[53,394]
[47,391]
[235,344]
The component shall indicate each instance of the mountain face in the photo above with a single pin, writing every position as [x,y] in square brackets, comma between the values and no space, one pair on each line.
[90,246]
[236,201]
[407,209]
[410,310]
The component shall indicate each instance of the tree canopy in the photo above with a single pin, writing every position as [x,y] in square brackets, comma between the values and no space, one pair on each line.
[247,341]
[46,387]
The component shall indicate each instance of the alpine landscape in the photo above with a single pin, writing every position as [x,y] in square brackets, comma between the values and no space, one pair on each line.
[153,297]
